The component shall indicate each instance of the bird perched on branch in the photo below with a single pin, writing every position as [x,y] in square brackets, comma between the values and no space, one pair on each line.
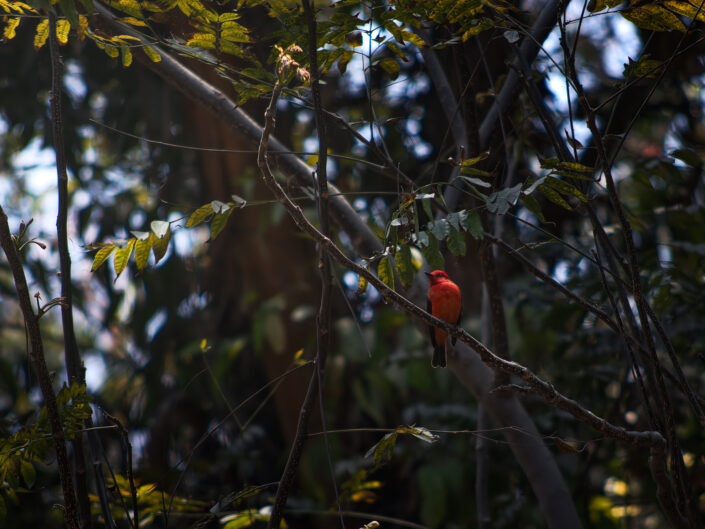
[445,303]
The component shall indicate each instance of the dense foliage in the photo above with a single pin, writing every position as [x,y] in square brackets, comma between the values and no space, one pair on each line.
[548,155]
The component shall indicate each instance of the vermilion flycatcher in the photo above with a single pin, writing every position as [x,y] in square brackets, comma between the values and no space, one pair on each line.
[445,303]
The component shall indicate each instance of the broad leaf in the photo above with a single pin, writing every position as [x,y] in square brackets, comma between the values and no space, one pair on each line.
[405,268]
[122,255]
[385,272]
[101,256]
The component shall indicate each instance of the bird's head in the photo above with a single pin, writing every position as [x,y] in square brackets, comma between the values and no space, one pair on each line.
[437,276]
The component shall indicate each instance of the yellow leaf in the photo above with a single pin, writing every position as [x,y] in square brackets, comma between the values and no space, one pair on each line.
[126,56]
[122,255]
[152,54]
[101,256]
[10,27]
[63,27]
[142,248]
[132,21]
[111,50]
[41,35]
[82,27]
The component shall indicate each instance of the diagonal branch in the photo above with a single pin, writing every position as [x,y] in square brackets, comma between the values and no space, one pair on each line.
[36,355]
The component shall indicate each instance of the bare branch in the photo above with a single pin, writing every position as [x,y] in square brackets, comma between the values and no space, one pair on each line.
[36,355]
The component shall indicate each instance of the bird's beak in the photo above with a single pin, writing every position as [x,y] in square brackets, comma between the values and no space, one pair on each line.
[428,274]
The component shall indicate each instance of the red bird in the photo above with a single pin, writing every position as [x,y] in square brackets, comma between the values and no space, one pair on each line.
[445,303]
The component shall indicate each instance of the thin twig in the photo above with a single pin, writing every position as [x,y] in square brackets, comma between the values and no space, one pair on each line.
[36,355]
[72,357]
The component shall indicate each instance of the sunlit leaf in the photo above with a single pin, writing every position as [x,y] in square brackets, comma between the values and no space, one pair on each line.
[122,255]
[160,246]
[63,27]
[160,228]
[40,36]
[199,215]
[150,52]
[142,248]
[219,221]
[101,256]
[9,31]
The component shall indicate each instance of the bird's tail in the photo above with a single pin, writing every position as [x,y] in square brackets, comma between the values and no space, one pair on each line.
[439,356]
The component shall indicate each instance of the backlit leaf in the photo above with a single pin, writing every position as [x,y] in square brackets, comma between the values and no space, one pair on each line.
[199,215]
[122,255]
[101,256]
[9,31]
[142,248]
[40,37]
[63,27]
[151,53]
[160,228]
[219,222]
[159,246]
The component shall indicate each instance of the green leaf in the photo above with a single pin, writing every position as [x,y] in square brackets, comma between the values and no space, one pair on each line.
[122,255]
[653,17]
[500,201]
[475,181]
[440,228]
[385,272]
[361,285]
[432,252]
[573,166]
[473,224]
[456,242]
[687,156]
[199,215]
[382,450]
[29,474]
[219,222]
[564,188]
[160,228]
[643,68]
[126,56]
[691,9]
[426,203]
[390,66]
[533,205]
[142,248]
[101,256]
[405,268]
[554,197]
